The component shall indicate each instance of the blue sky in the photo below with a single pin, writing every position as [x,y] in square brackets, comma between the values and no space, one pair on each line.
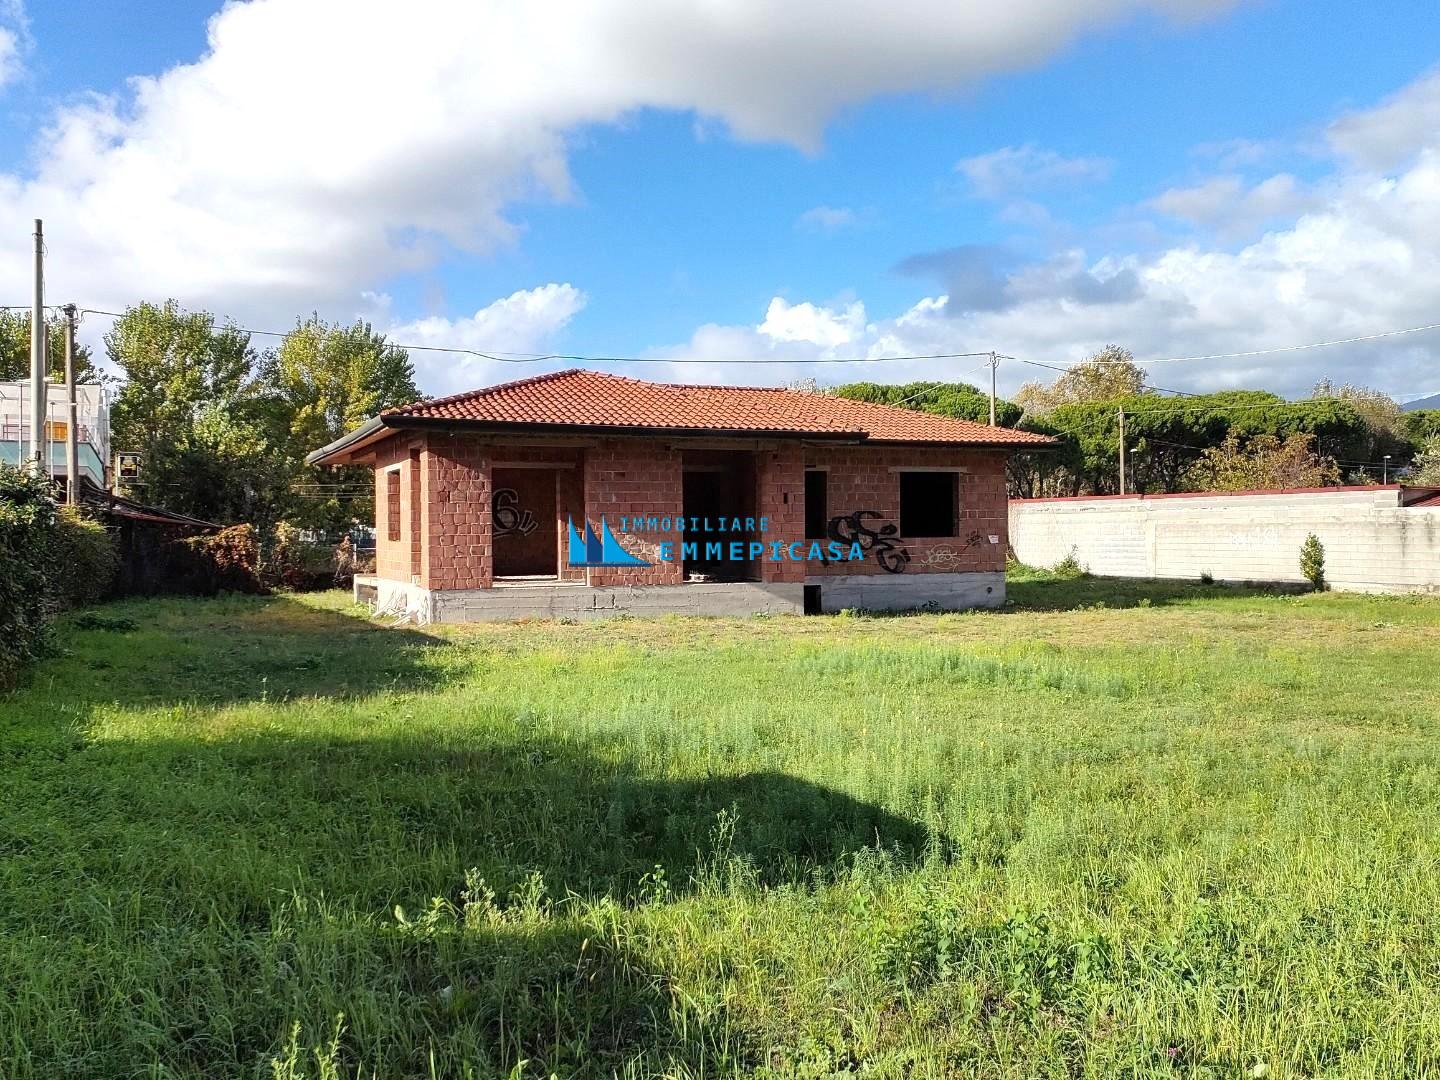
[672,215]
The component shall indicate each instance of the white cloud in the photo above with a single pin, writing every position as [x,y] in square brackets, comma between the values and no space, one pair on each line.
[827,218]
[14,41]
[525,322]
[1013,170]
[1362,256]
[1389,134]
[814,325]
[1234,153]
[320,147]
[1233,207]
[10,66]
[793,337]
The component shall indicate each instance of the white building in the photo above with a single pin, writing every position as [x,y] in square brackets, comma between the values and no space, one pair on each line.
[93,424]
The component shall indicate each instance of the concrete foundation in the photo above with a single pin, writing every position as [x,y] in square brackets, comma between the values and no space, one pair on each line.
[905,592]
[567,600]
[559,600]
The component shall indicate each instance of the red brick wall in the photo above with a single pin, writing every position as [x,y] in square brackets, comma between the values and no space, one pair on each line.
[635,478]
[861,478]
[392,557]
[456,536]
[780,477]
[632,477]
[570,506]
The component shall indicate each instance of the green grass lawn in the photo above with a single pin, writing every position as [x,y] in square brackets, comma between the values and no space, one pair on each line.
[1118,830]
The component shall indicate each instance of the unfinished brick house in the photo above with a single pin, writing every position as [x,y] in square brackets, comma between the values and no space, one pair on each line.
[584,494]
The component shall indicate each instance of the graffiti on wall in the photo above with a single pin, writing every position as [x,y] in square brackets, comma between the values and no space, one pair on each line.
[884,542]
[509,517]
[949,557]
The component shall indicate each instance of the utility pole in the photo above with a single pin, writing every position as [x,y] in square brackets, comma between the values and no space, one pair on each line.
[1122,451]
[39,445]
[994,363]
[72,435]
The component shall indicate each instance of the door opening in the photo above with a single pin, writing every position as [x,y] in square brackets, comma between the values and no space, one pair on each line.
[719,498]
[523,523]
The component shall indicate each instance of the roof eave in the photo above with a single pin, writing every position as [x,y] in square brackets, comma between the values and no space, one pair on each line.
[976,444]
[439,423]
[343,449]
[340,451]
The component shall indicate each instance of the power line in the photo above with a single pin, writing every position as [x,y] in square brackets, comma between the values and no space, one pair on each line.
[1056,367]
[931,387]
[535,358]
[1267,352]
[504,357]
[1295,348]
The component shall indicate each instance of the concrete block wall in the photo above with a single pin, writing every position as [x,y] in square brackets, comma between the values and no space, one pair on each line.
[1372,542]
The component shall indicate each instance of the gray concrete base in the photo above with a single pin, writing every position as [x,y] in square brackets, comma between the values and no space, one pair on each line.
[556,600]
[567,600]
[396,598]
[905,592]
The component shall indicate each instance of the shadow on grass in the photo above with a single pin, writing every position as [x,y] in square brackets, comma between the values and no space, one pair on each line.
[1069,594]
[180,902]
[450,903]
[233,649]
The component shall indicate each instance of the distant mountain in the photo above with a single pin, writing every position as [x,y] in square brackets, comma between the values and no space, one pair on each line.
[1431,402]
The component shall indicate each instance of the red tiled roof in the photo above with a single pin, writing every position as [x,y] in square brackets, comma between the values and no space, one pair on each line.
[592,399]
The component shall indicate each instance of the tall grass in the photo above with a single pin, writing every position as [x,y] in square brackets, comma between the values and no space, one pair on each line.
[265,837]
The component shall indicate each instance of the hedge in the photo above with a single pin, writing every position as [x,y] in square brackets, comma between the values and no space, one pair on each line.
[50,559]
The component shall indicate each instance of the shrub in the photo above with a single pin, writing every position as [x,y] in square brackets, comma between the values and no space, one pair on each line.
[27,528]
[1312,561]
[293,563]
[226,561]
[50,559]
[349,562]
[1069,568]
[84,559]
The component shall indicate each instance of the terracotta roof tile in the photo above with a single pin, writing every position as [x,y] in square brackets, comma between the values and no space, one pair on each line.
[592,399]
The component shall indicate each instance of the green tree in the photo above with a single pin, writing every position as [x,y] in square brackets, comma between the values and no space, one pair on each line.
[190,406]
[1166,436]
[323,381]
[1421,426]
[1426,470]
[1385,429]
[1262,462]
[960,400]
[1109,374]
[15,350]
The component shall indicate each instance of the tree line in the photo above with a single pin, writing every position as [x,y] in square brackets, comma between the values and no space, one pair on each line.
[222,426]
[1228,441]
